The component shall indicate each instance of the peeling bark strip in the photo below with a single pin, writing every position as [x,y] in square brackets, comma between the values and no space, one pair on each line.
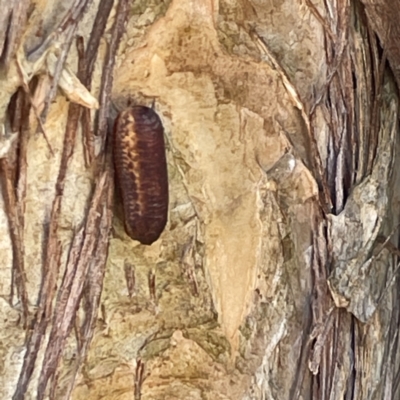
[141,170]
[108,67]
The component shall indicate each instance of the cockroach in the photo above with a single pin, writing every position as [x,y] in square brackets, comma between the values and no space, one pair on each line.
[141,172]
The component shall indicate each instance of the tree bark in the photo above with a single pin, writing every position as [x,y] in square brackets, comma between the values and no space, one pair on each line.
[276,275]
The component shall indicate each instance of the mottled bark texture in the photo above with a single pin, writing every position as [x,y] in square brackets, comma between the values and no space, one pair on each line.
[276,276]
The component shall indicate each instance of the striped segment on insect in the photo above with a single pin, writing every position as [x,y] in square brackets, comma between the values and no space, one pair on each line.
[141,172]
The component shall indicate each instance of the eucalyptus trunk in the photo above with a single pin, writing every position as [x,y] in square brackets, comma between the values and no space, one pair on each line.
[276,274]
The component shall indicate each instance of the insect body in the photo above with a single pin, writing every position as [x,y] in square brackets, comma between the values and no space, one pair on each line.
[141,170]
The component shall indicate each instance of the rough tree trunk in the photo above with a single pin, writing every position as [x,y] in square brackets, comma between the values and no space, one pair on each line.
[276,276]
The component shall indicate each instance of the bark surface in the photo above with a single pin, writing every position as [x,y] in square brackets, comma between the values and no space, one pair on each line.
[276,275]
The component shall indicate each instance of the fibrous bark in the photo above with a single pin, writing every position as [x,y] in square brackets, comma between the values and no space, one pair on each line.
[276,275]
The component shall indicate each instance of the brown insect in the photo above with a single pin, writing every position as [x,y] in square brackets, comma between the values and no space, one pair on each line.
[141,171]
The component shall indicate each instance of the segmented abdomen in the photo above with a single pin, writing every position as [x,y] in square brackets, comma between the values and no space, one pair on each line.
[141,170]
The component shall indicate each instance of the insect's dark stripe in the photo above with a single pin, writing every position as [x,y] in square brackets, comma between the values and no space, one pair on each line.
[141,170]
